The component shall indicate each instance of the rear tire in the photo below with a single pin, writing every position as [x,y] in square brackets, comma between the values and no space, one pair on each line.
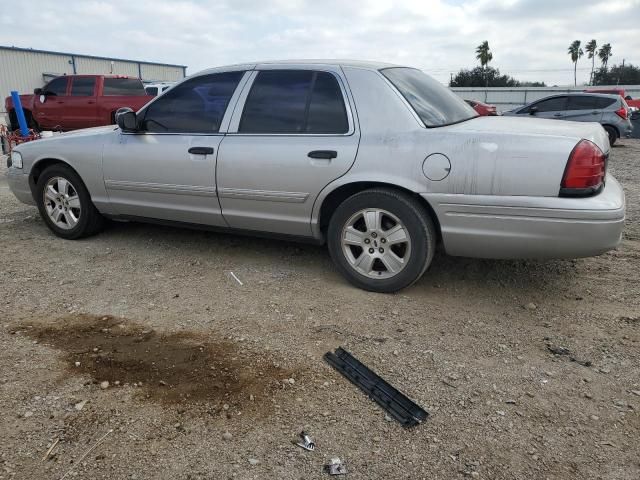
[65,204]
[381,240]
[613,134]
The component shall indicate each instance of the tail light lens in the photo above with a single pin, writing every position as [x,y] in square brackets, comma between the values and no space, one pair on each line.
[622,113]
[585,170]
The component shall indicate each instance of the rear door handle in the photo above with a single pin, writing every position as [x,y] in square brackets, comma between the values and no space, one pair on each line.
[557,114]
[201,150]
[595,112]
[324,154]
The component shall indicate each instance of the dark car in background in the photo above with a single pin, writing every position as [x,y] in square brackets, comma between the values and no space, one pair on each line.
[611,111]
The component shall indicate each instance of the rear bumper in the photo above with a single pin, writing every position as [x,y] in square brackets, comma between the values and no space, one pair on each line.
[19,185]
[487,226]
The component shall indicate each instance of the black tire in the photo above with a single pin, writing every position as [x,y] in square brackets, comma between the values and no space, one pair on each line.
[613,134]
[90,220]
[13,120]
[28,116]
[415,219]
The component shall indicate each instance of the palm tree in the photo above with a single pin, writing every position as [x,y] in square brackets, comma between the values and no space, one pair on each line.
[576,52]
[605,53]
[485,56]
[591,48]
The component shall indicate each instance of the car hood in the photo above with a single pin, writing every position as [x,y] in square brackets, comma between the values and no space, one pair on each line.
[537,127]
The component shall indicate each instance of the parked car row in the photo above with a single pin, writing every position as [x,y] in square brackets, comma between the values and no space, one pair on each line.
[380,162]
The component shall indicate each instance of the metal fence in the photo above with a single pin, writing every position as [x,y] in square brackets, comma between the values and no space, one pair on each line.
[508,98]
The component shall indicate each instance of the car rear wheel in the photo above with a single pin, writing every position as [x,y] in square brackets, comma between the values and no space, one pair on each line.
[65,204]
[613,135]
[381,240]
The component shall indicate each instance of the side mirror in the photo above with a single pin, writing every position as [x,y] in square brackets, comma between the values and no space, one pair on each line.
[126,119]
[38,91]
[533,110]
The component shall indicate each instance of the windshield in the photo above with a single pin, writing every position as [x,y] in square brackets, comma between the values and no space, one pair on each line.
[434,103]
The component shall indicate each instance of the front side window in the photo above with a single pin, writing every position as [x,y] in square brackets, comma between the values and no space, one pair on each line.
[57,86]
[294,101]
[434,103]
[123,86]
[82,86]
[195,106]
[555,104]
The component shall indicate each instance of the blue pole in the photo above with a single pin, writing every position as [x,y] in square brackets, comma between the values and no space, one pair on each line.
[24,128]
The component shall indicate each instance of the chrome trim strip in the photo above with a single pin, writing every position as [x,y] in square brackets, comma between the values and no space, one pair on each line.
[201,191]
[264,195]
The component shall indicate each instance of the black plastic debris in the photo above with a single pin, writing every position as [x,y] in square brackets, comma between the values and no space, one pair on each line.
[400,407]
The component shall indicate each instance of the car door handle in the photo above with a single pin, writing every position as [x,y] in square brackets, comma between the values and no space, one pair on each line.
[557,114]
[201,150]
[324,154]
[595,112]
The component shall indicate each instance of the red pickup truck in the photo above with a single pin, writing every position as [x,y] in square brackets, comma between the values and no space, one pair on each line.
[78,101]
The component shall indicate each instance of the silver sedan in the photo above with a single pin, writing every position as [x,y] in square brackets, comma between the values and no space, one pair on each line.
[380,162]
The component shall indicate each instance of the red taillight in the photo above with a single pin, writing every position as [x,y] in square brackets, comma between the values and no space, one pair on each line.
[585,170]
[622,113]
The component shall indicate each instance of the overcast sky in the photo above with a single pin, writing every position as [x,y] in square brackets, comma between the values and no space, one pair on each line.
[529,38]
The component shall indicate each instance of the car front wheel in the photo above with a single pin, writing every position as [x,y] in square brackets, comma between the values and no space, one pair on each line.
[381,240]
[65,204]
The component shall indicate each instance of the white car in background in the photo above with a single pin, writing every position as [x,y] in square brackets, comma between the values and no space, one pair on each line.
[156,89]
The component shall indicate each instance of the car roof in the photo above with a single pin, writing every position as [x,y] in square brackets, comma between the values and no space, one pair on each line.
[364,64]
[615,96]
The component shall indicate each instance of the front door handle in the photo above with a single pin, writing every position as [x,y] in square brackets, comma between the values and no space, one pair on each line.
[323,154]
[557,114]
[201,150]
[595,112]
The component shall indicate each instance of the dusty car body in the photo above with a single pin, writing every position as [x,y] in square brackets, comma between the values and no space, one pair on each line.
[380,162]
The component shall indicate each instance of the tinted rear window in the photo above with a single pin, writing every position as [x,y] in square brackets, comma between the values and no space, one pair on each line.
[123,86]
[434,103]
[294,101]
[587,102]
[82,86]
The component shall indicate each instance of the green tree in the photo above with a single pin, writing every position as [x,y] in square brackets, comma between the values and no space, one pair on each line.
[487,77]
[605,54]
[483,53]
[575,52]
[591,49]
[617,74]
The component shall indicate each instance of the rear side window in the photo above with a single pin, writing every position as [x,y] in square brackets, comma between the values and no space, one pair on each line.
[123,86]
[57,86]
[151,90]
[294,101]
[194,106]
[602,102]
[82,86]
[554,104]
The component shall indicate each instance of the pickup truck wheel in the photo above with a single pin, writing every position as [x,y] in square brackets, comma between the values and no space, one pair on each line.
[381,240]
[65,204]
[613,135]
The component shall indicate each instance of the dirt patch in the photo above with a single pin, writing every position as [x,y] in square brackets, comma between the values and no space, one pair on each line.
[167,367]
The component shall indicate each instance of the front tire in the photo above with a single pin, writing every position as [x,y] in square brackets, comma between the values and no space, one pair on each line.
[381,240]
[65,204]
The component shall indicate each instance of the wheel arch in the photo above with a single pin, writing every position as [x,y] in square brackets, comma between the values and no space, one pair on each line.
[336,196]
[605,125]
[40,166]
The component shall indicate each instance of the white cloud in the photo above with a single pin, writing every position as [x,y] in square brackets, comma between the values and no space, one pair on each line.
[529,38]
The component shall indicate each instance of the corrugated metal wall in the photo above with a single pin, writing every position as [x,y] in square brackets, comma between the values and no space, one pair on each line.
[23,70]
[509,98]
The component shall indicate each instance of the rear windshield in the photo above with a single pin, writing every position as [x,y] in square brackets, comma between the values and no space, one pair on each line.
[123,86]
[434,103]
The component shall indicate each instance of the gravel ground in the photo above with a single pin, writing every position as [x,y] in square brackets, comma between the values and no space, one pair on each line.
[137,355]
